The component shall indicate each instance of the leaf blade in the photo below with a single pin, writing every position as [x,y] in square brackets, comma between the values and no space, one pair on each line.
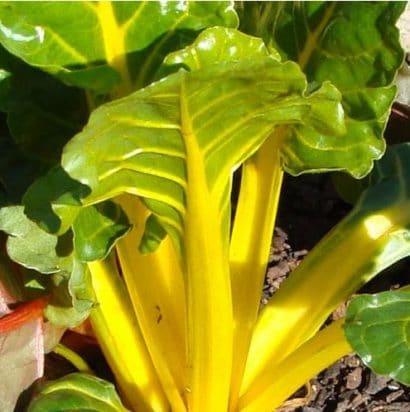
[377,328]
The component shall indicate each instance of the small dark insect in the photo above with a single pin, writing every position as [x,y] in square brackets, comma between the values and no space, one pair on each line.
[159,317]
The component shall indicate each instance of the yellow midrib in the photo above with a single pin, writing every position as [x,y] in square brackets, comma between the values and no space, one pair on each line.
[208,284]
[114,42]
[312,37]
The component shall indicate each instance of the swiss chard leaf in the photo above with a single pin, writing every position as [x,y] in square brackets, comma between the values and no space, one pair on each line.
[97,228]
[230,114]
[77,392]
[378,328]
[353,45]
[69,284]
[82,42]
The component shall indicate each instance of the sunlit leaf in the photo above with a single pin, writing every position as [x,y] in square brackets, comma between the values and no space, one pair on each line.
[77,392]
[86,43]
[353,45]
[377,327]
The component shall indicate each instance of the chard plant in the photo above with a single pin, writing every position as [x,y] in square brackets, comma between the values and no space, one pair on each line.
[127,123]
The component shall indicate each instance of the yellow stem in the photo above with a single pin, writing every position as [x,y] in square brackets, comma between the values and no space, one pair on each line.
[114,43]
[155,284]
[118,333]
[330,273]
[280,381]
[209,302]
[250,243]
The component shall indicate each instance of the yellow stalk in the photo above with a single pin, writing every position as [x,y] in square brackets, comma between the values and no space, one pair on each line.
[209,303]
[121,341]
[280,381]
[250,243]
[155,285]
[114,43]
[343,261]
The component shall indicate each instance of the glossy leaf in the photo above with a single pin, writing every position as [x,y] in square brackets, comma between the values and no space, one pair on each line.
[97,228]
[152,135]
[377,327]
[86,43]
[218,44]
[77,392]
[353,45]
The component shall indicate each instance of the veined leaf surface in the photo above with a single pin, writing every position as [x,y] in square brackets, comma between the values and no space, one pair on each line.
[86,43]
[77,391]
[377,327]
[176,144]
[355,45]
[68,279]
[137,144]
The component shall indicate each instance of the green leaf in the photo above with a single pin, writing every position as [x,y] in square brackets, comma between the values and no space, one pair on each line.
[45,196]
[69,283]
[86,43]
[378,328]
[231,115]
[27,244]
[77,392]
[153,235]
[97,228]
[353,45]
[211,46]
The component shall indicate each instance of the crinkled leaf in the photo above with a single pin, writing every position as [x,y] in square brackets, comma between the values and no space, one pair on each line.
[77,392]
[378,328]
[97,228]
[218,44]
[356,46]
[81,42]
[27,244]
[137,144]
[70,285]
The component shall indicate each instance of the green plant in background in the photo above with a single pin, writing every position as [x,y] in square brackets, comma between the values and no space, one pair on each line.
[134,227]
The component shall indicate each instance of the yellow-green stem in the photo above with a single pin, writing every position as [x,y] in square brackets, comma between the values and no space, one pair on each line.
[155,284]
[114,43]
[342,262]
[279,381]
[74,358]
[261,183]
[118,333]
[208,289]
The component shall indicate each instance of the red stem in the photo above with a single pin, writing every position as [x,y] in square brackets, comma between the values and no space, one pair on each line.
[22,314]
